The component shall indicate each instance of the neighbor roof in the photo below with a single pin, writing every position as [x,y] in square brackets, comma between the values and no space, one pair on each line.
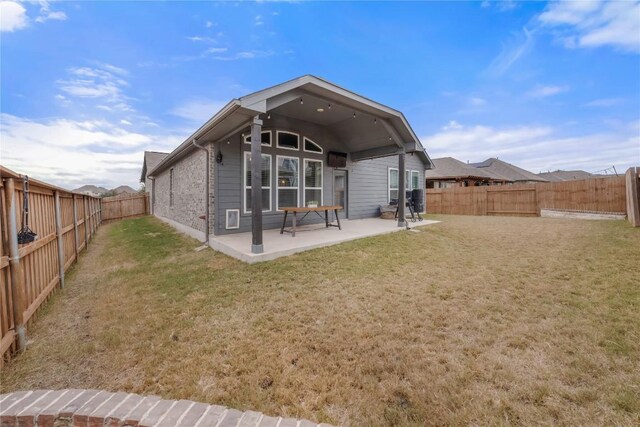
[566,175]
[449,168]
[151,160]
[507,171]
[233,116]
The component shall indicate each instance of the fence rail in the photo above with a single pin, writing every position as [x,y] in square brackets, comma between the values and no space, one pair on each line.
[129,206]
[65,223]
[597,195]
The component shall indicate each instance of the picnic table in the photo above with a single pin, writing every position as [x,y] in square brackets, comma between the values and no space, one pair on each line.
[306,210]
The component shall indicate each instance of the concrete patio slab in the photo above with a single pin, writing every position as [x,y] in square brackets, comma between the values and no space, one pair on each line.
[307,237]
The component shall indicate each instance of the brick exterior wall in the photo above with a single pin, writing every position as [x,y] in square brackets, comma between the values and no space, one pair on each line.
[84,408]
[188,191]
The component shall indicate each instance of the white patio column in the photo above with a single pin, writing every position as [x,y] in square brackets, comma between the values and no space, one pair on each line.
[256,186]
[402,188]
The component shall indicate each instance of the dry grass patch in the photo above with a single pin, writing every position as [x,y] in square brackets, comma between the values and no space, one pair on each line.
[476,320]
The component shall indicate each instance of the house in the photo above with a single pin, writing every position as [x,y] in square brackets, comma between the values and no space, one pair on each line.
[510,173]
[150,161]
[318,143]
[559,175]
[449,172]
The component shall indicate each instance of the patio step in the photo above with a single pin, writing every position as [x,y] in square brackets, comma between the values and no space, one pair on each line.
[101,408]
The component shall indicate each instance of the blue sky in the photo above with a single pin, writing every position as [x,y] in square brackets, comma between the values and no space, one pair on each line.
[86,87]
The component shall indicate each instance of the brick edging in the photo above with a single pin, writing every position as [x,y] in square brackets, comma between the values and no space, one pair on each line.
[95,408]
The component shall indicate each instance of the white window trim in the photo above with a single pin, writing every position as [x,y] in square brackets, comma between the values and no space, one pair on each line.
[305,139]
[270,144]
[278,132]
[304,182]
[286,188]
[226,225]
[389,183]
[246,187]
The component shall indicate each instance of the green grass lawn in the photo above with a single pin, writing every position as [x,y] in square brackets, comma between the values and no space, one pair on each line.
[475,320]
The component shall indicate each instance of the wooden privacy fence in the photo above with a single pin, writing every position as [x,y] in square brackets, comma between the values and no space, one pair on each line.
[65,223]
[597,195]
[129,206]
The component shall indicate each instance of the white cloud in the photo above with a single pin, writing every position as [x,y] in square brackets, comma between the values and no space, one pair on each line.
[244,55]
[519,45]
[258,20]
[105,82]
[605,102]
[594,23]
[477,102]
[201,39]
[70,153]
[541,91]
[198,110]
[13,16]
[209,24]
[536,148]
[46,14]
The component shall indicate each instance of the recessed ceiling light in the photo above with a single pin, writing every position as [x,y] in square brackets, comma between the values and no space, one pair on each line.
[320,110]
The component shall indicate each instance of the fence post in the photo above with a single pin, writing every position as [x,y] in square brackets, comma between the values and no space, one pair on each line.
[86,223]
[17,275]
[633,190]
[75,225]
[59,238]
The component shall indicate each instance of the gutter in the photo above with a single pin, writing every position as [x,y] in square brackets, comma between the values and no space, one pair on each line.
[207,192]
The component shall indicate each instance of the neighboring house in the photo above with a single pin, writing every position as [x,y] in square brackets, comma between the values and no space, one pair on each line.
[559,175]
[318,143]
[510,173]
[449,172]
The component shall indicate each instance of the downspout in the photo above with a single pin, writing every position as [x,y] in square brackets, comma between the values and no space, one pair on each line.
[152,202]
[207,201]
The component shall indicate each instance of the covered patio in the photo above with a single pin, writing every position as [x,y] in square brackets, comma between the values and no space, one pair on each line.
[308,237]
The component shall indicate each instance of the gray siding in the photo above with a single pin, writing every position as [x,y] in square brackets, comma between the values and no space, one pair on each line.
[367,180]
[188,191]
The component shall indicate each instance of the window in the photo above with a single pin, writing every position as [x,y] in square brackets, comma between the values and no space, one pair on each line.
[266,182]
[288,140]
[288,169]
[312,182]
[265,137]
[393,184]
[311,147]
[233,219]
[171,187]
[415,180]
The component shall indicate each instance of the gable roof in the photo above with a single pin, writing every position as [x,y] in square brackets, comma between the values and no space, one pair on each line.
[236,114]
[448,167]
[151,160]
[507,171]
[566,175]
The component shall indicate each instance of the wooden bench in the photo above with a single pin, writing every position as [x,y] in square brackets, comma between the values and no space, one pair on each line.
[306,210]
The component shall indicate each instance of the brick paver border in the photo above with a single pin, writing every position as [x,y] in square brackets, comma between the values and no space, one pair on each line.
[95,408]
